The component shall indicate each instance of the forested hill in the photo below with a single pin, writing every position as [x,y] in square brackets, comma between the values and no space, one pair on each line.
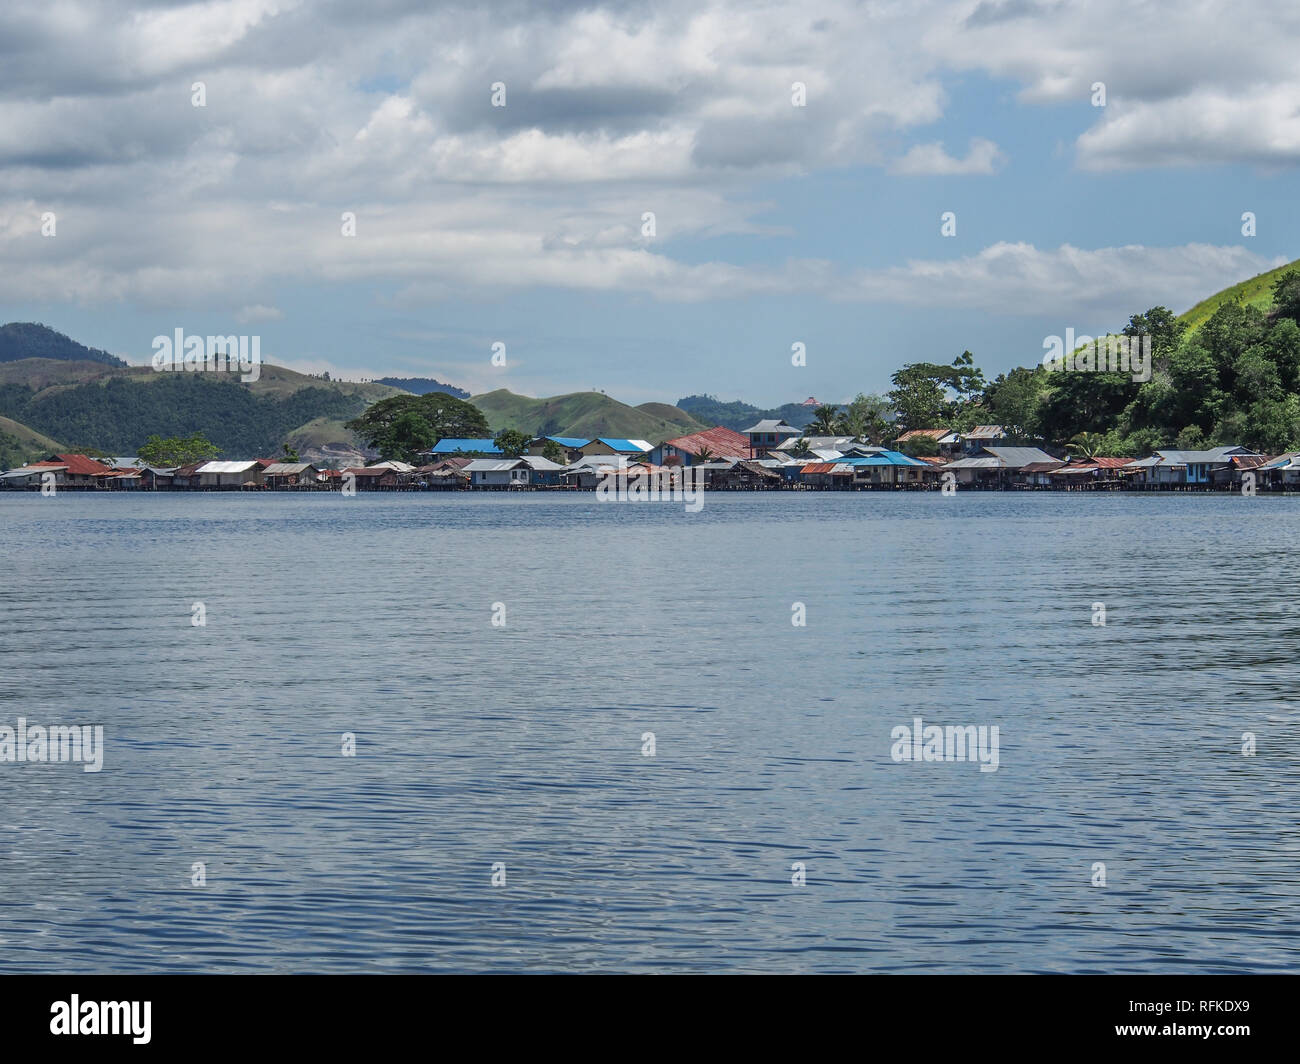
[25,339]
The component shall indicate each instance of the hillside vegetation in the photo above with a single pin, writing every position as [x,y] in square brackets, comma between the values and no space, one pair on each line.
[1256,292]
[113,408]
[587,414]
[28,339]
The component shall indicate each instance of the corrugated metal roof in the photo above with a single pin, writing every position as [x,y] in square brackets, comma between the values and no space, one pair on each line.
[827,467]
[226,467]
[285,469]
[451,446]
[985,432]
[772,425]
[884,458]
[1015,457]
[927,434]
[80,465]
[639,446]
[719,440]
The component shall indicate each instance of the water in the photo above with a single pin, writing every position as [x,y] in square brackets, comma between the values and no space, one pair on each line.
[523,744]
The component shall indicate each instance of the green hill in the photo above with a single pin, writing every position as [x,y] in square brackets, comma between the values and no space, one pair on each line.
[19,444]
[28,339]
[588,414]
[1256,292]
[113,408]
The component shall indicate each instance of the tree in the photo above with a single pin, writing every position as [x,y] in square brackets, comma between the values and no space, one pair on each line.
[401,426]
[1013,400]
[1085,444]
[512,442]
[919,397]
[553,452]
[865,417]
[1286,296]
[290,454]
[703,455]
[801,448]
[176,451]
[825,421]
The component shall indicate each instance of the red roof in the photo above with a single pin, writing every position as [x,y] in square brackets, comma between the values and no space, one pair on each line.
[1111,463]
[818,467]
[723,442]
[78,464]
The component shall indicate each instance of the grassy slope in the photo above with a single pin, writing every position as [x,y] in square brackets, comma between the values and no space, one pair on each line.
[29,437]
[588,414]
[320,435]
[1257,291]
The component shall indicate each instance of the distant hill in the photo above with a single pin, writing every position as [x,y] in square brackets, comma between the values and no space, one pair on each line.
[26,339]
[423,386]
[1255,292]
[115,407]
[588,414]
[739,416]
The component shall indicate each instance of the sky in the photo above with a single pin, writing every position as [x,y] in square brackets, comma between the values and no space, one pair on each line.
[190,165]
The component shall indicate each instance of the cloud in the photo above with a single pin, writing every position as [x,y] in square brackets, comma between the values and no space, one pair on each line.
[983,157]
[251,315]
[1021,279]
[613,109]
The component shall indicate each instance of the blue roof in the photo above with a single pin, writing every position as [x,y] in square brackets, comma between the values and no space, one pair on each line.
[451,446]
[619,445]
[883,458]
[568,441]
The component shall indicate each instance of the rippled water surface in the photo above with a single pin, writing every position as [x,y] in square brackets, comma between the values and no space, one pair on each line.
[522,744]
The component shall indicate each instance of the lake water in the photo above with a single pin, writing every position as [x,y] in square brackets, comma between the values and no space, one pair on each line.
[522,744]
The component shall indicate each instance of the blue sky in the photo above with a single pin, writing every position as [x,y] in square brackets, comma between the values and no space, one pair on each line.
[523,223]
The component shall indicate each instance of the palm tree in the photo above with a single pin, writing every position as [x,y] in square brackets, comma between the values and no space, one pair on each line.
[703,455]
[1085,445]
[801,449]
[824,420]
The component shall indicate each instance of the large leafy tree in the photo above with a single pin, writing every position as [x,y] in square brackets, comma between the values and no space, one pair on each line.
[1014,398]
[929,395]
[512,442]
[166,452]
[402,426]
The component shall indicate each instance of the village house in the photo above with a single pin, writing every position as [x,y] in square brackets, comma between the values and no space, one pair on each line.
[1172,469]
[1088,473]
[229,475]
[525,471]
[718,442]
[978,438]
[948,442]
[74,472]
[446,474]
[884,469]
[1282,472]
[995,467]
[610,446]
[768,435]
[281,475]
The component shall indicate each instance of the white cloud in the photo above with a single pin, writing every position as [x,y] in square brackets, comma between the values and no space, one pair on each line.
[1019,278]
[257,312]
[983,157]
